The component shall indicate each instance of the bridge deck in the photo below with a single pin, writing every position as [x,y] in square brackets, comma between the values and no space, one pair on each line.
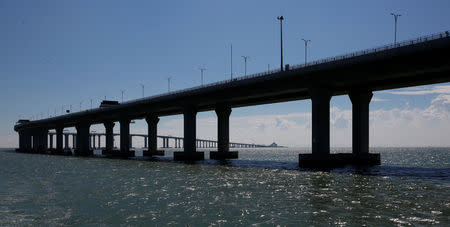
[411,63]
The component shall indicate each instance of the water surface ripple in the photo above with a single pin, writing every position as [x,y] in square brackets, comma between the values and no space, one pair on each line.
[263,187]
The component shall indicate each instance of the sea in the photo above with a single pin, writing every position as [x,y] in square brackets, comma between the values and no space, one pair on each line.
[264,187]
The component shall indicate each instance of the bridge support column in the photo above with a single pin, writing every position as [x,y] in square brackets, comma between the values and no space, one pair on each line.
[145,141]
[59,139]
[131,141]
[83,139]
[109,137]
[74,141]
[223,136]
[51,141]
[24,141]
[125,139]
[189,153]
[40,140]
[66,140]
[360,128]
[152,129]
[99,136]
[93,141]
[320,98]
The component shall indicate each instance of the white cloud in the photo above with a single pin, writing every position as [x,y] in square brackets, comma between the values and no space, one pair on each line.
[375,99]
[423,90]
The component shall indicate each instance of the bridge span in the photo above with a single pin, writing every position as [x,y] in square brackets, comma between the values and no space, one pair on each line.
[95,141]
[421,61]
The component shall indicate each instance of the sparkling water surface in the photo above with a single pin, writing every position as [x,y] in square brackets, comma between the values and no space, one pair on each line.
[263,188]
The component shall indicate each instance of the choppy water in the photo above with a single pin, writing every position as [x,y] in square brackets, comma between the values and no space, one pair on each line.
[263,187]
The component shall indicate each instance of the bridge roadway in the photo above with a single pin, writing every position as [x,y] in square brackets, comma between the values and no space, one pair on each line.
[422,61]
[177,141]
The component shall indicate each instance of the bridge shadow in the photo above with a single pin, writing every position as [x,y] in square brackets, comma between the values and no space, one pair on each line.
[379,171]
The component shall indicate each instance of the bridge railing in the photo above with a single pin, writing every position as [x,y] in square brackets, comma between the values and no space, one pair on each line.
[376,49]
[298,66]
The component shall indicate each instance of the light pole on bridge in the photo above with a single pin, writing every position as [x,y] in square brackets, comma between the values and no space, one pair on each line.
[201,74]
[281,18]
[395,31]
[142,85]
[306,48]
[168,83]
[231,61]
[245,63]
[122,94]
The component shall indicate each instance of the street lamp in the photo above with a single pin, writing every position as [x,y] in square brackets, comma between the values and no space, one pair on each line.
[306,48]
[245,62]
[281,18]
[395,32]
[231,61]
[122,95]
[168,83]
[201,74]
[142,90]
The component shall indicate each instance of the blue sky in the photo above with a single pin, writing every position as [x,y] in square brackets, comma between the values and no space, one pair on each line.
[55,53]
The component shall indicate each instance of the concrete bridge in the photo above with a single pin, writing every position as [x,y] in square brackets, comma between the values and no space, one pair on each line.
[421,61]
[95,141]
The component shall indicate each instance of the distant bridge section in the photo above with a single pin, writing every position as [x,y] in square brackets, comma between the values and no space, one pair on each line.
[95,141]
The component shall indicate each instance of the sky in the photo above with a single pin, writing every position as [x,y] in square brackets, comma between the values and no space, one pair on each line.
[58,55]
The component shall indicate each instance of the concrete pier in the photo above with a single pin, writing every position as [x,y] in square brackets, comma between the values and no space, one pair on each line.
[51,142]
[83,148]
[25,141]
[109,140]
[74,141]
[59,141]
[152,128]
[223,136]
[125,139]
[321,156]
[189,153]
[320,99]
[360,128]
[40,140]
[66,140]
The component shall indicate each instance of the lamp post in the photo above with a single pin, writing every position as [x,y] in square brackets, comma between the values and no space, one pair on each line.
[201,74]
[142,85]
[306,48]
[281,18]
[395,31]
[245,63]
[122,95]
[231,61]
[168,83]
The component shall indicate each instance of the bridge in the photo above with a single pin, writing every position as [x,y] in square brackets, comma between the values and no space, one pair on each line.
[421,61]
[95,141]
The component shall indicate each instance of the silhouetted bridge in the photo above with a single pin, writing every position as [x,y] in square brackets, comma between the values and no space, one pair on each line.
[416,62]
[95,141]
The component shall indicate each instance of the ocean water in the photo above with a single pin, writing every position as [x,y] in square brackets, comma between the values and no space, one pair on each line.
[263,188]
